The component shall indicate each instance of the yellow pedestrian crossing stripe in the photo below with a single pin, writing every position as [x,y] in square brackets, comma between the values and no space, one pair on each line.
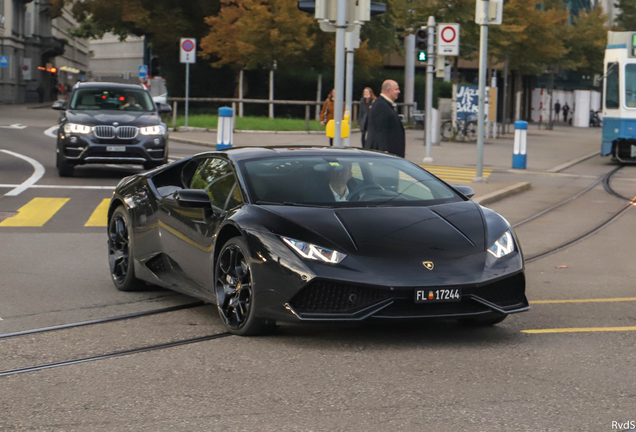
[455,174]
[35,213]
[99,218]
[38,211]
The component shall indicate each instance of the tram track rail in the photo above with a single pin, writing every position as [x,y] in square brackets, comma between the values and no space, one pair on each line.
[606,180]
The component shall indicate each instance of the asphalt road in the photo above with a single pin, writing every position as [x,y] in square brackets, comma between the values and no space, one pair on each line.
[424,376]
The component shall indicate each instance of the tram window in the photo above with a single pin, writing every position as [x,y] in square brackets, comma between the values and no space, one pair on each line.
[612,89]
[630,85]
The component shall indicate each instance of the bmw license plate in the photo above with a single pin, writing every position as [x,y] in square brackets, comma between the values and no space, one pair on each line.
[633,151]
[116,148]
[436,295]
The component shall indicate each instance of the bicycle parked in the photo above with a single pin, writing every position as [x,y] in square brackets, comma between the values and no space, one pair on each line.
[462,130]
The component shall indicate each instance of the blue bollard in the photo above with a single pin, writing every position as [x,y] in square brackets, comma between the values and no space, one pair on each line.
[520,147]
[225,129]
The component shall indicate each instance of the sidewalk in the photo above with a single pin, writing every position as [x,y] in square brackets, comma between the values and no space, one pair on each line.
[548,151]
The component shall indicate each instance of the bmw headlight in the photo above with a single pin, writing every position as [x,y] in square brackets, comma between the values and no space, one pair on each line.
[313,252]
[503,246]
[77,128]
[152,130]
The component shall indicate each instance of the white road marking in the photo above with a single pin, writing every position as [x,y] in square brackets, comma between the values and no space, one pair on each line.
[52,131]
[60,187]
[38,172]
[14,126]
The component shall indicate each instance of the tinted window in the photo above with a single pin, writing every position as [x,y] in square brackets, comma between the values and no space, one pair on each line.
[630,85]
[111,99]
[350,181]
[215,176]
[611,89]
[236,198]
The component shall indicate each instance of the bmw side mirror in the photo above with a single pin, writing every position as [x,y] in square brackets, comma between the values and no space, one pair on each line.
[59,105]
[164,108]
[465,190]
[196,198]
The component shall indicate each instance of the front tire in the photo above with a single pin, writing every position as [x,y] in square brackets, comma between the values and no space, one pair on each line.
[64,169]
[120,251]
[235,291]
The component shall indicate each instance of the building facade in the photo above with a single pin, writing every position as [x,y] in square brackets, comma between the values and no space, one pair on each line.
[116,61]
[31,45]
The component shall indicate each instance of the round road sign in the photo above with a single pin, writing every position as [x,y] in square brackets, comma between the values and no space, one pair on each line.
[187,45]
[448,34]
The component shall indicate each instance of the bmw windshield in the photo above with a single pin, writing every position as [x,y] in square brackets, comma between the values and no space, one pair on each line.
[113,99]
[350,181]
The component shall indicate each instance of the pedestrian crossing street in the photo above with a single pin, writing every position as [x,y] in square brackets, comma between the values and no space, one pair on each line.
[39,211]
[455,174]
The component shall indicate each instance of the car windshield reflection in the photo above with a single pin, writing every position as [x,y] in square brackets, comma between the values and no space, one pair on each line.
[351,181]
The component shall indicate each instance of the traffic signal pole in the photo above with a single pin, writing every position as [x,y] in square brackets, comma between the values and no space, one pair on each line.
[483,57]
[339,75]
[430,70]
[349,86]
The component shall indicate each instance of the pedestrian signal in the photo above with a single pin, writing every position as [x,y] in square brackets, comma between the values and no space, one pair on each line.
[421,56]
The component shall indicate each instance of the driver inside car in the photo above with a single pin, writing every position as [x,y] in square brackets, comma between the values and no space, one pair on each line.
[339,178]
[131,102]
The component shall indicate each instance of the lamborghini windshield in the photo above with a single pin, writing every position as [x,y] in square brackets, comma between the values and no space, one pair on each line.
[350,181]
[113,99]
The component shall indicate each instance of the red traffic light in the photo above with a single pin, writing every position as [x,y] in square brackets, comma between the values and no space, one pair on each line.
[53,70]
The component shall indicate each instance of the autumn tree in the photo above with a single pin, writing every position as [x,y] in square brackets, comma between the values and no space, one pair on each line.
[626,19]
[250,33]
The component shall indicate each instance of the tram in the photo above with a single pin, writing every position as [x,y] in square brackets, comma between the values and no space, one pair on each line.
[619,97]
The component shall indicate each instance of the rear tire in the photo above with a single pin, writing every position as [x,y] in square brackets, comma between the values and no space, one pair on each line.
[483,320]
[120,252]
[235,291]
[64,168]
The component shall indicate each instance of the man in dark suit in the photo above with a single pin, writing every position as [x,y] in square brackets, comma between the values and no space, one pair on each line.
[385,129]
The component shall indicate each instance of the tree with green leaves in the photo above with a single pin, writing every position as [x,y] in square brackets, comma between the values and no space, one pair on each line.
[626,19]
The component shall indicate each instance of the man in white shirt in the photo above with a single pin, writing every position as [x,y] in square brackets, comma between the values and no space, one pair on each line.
[338,179]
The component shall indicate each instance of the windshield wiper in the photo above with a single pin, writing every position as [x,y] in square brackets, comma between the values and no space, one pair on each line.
[287,203]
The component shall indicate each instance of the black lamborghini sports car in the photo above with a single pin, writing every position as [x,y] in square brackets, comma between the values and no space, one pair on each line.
[314,234]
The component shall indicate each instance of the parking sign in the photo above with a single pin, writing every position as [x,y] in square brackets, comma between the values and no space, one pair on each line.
[188,50]
[143,71]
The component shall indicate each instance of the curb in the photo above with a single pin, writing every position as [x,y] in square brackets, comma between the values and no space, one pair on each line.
[503,193]
[573,162]
[190,141]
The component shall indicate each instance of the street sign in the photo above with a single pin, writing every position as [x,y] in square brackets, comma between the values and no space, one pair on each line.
[4,61]
[143,71]
[188,50]
[492,16]
[448,39]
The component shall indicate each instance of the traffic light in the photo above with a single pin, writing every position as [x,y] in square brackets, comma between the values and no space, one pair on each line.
[421,43]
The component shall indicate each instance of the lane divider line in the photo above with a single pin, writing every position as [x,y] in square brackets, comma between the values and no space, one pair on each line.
[60,187]
[52,131]
[35,213]
[99,218]
[38,172]
[580,330]
[605,300]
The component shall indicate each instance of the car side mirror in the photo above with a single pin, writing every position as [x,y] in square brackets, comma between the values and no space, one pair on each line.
[465,190]
[59,105]
[164,108]
[196,198]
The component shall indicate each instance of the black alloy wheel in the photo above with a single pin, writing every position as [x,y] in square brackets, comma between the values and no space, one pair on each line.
[235,291]
[120,257]
[64,169]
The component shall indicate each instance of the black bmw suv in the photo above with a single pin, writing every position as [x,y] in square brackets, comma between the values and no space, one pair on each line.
[110,123]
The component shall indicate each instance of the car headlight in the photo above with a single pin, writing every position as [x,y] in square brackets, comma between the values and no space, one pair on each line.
[152,130]
[503,246]
[77,128]
[313,252]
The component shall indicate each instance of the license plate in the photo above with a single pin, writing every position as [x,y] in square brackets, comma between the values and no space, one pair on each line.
[436,295]
[116,148]
[633,150]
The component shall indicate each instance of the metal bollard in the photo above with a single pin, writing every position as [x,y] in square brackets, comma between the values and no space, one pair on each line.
[225,129]
[520,147]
